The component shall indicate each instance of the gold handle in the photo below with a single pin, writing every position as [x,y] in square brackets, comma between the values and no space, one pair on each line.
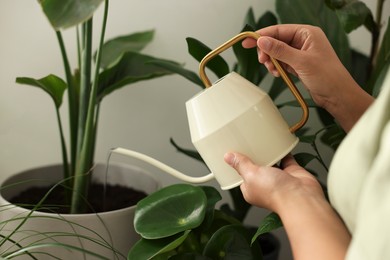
[283,74]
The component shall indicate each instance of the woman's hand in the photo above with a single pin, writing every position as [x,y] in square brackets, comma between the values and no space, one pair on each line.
[270,187]
[305,52]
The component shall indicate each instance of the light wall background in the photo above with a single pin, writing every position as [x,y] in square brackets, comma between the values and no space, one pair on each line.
[141,117]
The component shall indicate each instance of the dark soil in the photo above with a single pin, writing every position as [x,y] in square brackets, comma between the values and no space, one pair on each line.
[116,197]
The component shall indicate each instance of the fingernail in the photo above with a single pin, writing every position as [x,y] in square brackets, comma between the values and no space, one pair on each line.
[264,43]
[229,158]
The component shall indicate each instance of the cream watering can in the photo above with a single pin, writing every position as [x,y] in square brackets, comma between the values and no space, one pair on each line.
[234,115]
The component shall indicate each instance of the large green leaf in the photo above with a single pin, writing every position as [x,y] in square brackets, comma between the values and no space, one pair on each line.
[169,211]
[147,249]
[132,67]
[213,196]
[114,49]
[180,70]
[240,206]
[51,84]
[248,65]
[315,12]
[353,14]
[198,50]
[67,13]
[250,19]
[232,242]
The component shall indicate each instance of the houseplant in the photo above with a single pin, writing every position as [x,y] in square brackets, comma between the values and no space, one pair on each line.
[194,230]
[367,70]
[116,63]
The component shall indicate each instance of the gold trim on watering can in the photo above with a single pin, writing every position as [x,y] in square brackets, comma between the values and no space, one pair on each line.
[283,74]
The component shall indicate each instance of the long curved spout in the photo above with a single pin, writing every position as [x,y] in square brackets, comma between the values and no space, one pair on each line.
[162,166]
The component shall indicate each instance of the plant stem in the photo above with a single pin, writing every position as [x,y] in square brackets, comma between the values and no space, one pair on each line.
[82,159]
[78,46]
[83,165]
[375,35]
[65,161]
[85,81]
[72,101]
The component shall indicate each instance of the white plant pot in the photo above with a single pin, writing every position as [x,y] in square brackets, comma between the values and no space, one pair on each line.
[108,230]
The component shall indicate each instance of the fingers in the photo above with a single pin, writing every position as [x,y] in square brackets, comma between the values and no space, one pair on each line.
[287,161]
[278,50]
[240,163]
[283,43]
[290,165]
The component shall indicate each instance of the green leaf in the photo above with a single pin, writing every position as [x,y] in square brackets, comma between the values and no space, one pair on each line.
[213,196]
[147,249]
[304,159]
[191,153]
[180,70]
[267,19]
[333,136]
[379,82]
[240,206]
[269,223]
[67,13]
[318,14]
[359,68]
[353,14]
[334,4]
[276,88]
[309,139]
[248,65]
[189,256]
[169,211]
[232,242]
[51,84]
[133,67]
[114,49]
[250,19]
[198,50]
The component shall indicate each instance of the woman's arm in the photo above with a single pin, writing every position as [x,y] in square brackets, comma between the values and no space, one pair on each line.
[314,229]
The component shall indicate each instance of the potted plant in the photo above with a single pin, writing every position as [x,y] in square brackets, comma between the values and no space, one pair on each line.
[116,63]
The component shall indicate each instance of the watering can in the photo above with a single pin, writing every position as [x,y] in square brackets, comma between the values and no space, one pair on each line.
[234,115]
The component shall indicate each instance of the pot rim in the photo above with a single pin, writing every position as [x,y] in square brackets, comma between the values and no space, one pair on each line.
[5,203]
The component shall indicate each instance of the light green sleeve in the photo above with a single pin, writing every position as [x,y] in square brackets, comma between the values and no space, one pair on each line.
[359,181]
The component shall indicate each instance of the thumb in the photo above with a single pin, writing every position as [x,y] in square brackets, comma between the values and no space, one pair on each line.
[278,50]
[241,163]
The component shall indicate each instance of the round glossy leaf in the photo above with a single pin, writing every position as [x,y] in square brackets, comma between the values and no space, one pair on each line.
[170,210]
[147,249]
[232,242]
